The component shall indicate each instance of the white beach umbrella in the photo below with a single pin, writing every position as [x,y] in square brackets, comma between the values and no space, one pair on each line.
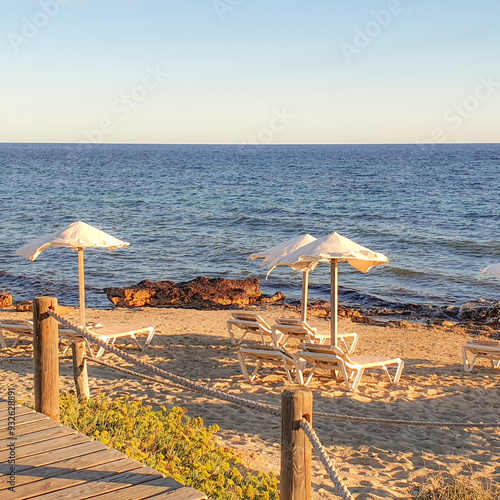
[76,236]
[492,269]
[333,248]
[273,255]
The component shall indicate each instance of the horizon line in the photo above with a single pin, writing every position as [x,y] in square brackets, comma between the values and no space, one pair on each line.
[250,145]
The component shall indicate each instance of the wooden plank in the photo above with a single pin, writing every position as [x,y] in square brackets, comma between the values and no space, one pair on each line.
[19,420]
[46,446]
[43,424]
[40,435]
[155,489]
[60,481]
[18,410]
[184,493]
[50,457]
[32,478]
[4,404]
[113,483]
[26,474]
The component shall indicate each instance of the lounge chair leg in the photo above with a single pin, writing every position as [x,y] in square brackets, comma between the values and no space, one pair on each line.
[101,350]
[387,373]
[136,341]
[254,374]
[310,375]
[289,372]
[18,339]
[299,377]
[345,376]
[354,343]
[149,338]
[243,366]
[468,366]
[278,341]
[399,371]
[231,333]
[357,379]
[3,345]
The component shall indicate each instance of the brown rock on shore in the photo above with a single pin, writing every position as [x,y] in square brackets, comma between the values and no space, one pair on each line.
[25,305]
[202,292]
[5,300]
[321,309]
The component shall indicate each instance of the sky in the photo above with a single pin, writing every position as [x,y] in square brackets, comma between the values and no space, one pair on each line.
[250,71]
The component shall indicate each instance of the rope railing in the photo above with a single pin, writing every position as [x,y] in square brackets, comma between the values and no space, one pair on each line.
[14,358]
[132,372]
[184,382]
[327,463]
[337,416]
[373,420]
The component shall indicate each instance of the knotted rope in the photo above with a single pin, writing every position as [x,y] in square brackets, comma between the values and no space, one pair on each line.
[327,463]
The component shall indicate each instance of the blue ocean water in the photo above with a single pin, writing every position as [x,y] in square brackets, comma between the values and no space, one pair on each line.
[193,210]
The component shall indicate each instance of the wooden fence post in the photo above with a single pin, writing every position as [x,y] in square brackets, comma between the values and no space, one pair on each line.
[46,357]
[78,349]
[296,449]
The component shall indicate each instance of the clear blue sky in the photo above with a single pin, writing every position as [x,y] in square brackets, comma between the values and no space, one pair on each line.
[236,71]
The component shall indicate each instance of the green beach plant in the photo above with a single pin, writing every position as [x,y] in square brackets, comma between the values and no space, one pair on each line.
[171,442]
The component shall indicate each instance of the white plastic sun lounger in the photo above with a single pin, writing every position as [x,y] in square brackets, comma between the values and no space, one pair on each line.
[286,329]
[109,334]
[24,329]
[489,349]
[265,354]
[106,334]
[334,359]
[21,329]
[249,323]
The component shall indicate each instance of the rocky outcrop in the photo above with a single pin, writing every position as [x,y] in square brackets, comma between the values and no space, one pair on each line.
[5,300]
[322,309]
[202,293]
[480,311]
[25,305]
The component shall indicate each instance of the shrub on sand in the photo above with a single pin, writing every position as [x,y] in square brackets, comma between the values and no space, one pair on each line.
[448,487]
[171,442]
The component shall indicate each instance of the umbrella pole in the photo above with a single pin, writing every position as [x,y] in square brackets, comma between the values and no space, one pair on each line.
[335,299]
[305,289]
[81,279]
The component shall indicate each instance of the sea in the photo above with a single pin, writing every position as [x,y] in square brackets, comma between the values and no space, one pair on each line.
[201,210]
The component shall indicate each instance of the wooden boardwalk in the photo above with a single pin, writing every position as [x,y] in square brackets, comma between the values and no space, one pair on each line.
[55,462]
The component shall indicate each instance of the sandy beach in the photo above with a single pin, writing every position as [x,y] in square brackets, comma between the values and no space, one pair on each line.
[376,461]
